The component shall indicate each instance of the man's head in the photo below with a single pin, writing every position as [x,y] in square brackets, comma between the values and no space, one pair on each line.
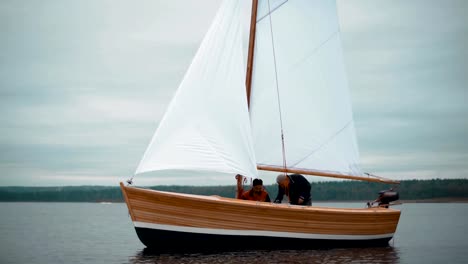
[257,185]
[282,180]
[257,182]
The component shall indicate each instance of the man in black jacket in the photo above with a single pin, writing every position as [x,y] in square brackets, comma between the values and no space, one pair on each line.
[296,187]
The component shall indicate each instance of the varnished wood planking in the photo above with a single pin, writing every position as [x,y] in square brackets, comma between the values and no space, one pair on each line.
[222,217]
[280,211]
[198,211]
[192,219]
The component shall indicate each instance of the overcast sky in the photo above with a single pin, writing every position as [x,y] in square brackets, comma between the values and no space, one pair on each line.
[84,83]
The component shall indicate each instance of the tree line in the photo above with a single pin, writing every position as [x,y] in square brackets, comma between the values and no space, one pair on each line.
[321,191]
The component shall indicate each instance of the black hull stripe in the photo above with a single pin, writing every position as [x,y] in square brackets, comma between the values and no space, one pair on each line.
[163,240]
[257,233]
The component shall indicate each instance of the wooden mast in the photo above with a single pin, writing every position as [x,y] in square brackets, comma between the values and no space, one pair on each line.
[253,24]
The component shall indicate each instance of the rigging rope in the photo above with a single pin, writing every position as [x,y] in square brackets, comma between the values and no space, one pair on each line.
[277,88]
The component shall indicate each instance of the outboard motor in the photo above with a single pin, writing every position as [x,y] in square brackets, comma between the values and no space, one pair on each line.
[385,198]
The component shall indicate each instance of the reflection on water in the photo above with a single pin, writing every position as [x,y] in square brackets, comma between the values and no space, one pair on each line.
[343,255]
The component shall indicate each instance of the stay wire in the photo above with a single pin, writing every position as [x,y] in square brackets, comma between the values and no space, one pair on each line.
[277,89]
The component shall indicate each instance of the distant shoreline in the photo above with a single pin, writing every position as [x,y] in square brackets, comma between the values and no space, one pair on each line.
[438,200]
[411,191]
[432,200]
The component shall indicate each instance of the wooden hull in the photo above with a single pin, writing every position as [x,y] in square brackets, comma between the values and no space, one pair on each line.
[173,221]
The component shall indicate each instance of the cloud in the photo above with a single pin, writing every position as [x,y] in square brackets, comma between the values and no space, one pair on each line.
[417,165]
[81,98]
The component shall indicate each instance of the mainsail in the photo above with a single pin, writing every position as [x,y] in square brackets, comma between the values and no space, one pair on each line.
[207,127]
[299,86]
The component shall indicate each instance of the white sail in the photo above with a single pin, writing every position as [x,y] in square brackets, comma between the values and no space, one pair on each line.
[298,56]
[299,86]
[206,127]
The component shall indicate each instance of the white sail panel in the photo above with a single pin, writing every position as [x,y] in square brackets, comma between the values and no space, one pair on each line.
[206,126]
[265,7]
[312,86]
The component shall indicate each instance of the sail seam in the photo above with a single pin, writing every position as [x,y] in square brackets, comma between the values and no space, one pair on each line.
[293,65]
[270,11]
[323,144]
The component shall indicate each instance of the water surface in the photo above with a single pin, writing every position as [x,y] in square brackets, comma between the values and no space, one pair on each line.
[103,233]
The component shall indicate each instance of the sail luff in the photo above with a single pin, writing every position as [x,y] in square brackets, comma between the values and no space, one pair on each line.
[253,24]
[324,174]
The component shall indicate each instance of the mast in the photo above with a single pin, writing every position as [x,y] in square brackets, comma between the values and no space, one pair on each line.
[253,24]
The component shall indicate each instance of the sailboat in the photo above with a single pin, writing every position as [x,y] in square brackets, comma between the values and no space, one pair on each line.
[287,111]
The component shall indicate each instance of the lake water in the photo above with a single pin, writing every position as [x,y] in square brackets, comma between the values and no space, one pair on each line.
[103,233]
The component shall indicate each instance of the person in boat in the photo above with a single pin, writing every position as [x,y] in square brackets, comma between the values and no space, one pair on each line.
[296,187]
[256,193]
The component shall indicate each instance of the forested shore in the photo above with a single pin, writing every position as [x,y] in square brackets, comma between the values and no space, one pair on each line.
[437,190]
